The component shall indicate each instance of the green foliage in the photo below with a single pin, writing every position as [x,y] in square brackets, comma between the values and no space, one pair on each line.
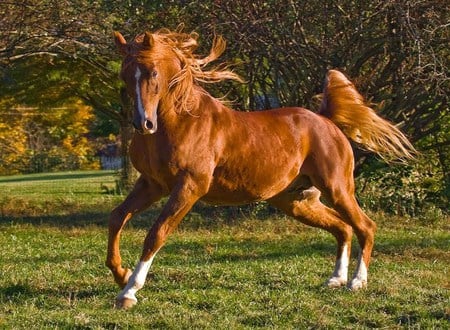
[416,189]
[53,123]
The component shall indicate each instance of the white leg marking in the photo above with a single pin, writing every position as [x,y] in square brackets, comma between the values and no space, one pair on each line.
[359,280]
[339,277]
[136,281]
[137,76]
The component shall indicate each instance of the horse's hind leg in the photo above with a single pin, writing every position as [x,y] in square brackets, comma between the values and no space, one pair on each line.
[141,197]
[364,229]
[341,194]
[306,207]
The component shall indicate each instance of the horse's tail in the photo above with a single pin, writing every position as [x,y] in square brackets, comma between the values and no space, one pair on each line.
[346,108]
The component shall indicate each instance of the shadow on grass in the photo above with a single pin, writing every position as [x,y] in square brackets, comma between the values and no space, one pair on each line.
[251,251]
[20,293]
[211,218]
[78,219]
[63,221]
[201,216]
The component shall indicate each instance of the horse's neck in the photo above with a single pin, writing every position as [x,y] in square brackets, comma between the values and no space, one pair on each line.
[203,104]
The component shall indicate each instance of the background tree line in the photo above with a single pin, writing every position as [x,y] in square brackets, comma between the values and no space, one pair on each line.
[58,59]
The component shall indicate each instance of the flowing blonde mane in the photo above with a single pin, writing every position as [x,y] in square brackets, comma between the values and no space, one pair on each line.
[183,88]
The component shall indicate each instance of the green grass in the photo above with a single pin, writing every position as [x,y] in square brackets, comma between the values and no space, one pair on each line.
[241,273]
[50,195]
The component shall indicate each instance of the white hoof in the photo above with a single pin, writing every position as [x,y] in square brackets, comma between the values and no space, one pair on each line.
[336,282]
[357,284]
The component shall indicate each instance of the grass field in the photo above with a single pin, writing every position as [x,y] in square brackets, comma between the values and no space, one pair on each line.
[214,272]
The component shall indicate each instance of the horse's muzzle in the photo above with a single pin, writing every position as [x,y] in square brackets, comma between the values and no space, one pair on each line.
[148,125]
[144,127]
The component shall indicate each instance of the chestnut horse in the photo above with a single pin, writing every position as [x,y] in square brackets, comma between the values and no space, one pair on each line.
[190,146]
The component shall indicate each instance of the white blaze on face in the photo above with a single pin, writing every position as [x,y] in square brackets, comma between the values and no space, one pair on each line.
[140,107]
[137,280]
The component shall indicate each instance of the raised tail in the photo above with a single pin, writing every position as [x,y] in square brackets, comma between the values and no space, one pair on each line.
[346,108]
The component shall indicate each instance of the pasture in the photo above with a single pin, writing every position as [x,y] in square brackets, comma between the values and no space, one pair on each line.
[220,269]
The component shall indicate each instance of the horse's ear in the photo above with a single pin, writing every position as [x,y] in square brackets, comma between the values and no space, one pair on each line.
[121,43]
[148,40]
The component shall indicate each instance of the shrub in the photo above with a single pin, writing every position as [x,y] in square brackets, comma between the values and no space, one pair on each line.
[414,189]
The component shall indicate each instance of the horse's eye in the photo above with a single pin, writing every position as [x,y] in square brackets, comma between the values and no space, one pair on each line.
[154,74]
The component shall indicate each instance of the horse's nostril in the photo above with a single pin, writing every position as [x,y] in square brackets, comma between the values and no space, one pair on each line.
[148,124]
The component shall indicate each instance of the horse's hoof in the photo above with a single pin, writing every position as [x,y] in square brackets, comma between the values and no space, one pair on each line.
[336,282]
[357,284]
[125,303]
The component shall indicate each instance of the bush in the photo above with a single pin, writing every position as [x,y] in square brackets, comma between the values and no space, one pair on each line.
[414,189]
[58,159]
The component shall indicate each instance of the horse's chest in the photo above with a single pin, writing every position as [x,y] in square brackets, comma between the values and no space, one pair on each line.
[156,162]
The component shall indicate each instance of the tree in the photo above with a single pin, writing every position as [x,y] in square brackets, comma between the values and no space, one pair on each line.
[396,50]
[63,54]
[53,138]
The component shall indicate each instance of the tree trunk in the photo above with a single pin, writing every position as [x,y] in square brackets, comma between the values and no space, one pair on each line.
[128,174]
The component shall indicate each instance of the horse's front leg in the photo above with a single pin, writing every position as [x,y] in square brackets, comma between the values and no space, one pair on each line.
[180,202]
[141,197]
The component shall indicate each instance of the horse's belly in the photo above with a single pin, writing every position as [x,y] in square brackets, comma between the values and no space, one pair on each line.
[230,198]
[243,188]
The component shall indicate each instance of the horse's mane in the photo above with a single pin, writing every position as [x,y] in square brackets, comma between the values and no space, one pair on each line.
[184,86]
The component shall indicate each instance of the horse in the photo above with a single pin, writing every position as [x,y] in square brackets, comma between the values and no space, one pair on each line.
[190,146]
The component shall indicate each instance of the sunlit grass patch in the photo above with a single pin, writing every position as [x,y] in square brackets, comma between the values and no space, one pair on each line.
[243,273]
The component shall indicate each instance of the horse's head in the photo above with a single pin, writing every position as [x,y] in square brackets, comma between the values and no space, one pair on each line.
[147,68]
[161,71]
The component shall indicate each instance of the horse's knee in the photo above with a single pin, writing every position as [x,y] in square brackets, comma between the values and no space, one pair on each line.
[117,219]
